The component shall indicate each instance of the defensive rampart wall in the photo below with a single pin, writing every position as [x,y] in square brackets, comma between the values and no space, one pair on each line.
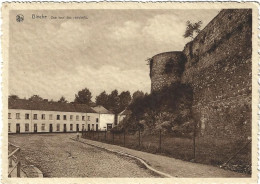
[217,65]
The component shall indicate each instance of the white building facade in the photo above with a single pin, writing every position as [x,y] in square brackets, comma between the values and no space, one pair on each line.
[106,118]
[20,120]
[39,117]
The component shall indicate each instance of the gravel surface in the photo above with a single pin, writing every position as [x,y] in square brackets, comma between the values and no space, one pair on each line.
[58,156]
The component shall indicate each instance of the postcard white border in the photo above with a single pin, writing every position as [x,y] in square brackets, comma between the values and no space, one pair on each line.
[6,7]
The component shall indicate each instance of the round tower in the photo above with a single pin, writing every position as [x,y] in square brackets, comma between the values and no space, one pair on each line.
[165,69]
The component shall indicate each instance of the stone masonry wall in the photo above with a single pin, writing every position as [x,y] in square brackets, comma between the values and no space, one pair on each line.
[218,67]
[219,70]
[166,68]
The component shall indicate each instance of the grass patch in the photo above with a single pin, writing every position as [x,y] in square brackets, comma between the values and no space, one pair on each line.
[209,151]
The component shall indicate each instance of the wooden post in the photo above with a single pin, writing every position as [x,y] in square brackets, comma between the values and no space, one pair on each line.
[160,141]
[139,137]
[113,137]
[10,162]
[194,142]
[19,163]
[124,137]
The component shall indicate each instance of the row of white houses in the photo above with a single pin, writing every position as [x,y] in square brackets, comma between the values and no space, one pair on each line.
[26,116]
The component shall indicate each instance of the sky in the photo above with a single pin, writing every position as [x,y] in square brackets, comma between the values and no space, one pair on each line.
[106,51]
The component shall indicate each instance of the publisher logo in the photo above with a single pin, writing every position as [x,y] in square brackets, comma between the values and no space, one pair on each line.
[19,18]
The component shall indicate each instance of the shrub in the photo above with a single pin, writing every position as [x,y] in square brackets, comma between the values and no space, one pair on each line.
[161,110]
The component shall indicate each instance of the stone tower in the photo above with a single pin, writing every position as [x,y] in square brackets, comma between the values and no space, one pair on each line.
[165,69]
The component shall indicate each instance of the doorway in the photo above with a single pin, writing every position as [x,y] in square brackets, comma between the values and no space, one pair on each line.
[64,128]
[35,128]
[88,127]
[50,127]
[109,126]
[77,127]
[17,127]
[96,127]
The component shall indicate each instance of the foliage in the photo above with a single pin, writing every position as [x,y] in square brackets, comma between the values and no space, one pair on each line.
[125,99]
[35,98]
[162,109]
[102,99]
[169,66]
[13,97]
[150,63]
[62,100]
[114,101]
[138,94]
[83,97]
[192,28]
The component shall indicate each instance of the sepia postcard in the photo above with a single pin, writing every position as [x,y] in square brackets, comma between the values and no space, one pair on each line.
[129,92]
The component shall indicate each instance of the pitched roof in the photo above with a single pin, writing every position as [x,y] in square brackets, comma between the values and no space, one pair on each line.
[48,106]
[102,110]
[125,112]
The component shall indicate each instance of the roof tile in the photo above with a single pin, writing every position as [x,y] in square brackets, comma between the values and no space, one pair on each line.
[48,106]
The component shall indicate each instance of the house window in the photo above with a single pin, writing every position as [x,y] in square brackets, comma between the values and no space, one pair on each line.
[97,120]
[109,126]
[27,116]
[58,127]
[43,116]
[9,127]
[17,115]
[88,118]
[77,117]
[83,118]
[92,128]
[71,117]
[43,127]
[9,116]
[64,117]
[50,117]
[35,116]
[71,127]
[26,127]
[82,126]
[58,117]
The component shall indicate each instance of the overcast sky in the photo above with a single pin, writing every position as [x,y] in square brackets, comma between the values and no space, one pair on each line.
[54,58]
